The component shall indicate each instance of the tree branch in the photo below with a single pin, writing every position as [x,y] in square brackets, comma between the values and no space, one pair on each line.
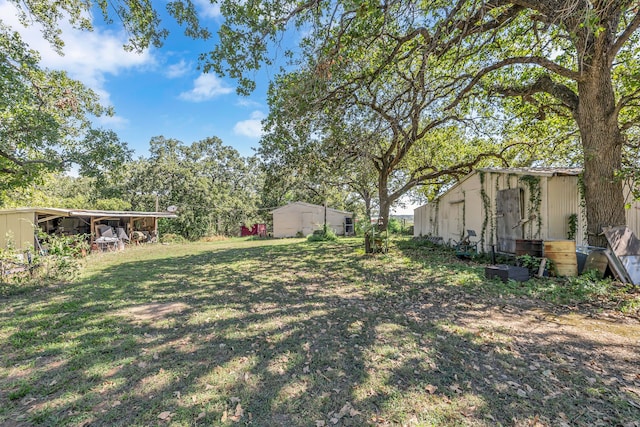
[23,163]
[624,37]
[466,27]
[625,101]
[534,60]
[544,84]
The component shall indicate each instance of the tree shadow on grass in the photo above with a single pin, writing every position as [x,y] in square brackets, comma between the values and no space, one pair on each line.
[280,335]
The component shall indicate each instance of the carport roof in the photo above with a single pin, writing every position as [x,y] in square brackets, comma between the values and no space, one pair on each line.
[91,213]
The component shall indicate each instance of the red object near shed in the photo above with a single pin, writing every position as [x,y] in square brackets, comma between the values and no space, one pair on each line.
[255,230]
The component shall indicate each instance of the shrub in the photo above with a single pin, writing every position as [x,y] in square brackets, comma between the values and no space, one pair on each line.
[324,235]
[62,260]
[172,238]
[394,226]
[65,246]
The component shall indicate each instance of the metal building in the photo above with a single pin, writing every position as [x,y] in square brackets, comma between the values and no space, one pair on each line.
[504,205]
[301,218]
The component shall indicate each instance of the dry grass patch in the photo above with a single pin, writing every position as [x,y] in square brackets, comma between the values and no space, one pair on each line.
[152,312]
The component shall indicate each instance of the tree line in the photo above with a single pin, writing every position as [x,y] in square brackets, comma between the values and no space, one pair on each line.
[213,187]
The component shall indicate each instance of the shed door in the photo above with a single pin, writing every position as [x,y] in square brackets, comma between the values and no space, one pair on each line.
[508,215]
[456,212]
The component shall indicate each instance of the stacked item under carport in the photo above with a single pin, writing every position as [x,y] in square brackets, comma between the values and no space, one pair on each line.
[109,239]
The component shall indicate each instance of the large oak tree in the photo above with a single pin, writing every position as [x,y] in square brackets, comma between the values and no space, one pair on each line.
[577,56]
[387,129]
[44,120]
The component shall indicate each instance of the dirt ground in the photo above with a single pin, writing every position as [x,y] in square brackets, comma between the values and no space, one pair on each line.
[556,347]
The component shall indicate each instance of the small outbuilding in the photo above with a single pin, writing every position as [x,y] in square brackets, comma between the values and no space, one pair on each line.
[18,225]
[301,218]
[503,206]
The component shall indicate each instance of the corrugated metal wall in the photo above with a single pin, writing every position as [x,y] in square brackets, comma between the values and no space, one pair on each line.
[335,220]
[563,197]
[559,197]
[287,222]
[305,219]
[425,221]
[633,213]
[419,223]
[19,228]
[473,208]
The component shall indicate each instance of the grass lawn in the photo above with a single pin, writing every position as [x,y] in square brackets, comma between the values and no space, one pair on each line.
[291,333]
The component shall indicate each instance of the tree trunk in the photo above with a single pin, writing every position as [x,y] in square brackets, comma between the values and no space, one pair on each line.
[385,203]
[602,146]
[367,206]
[385,208]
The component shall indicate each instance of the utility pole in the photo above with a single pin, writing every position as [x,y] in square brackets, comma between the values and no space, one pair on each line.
[324,193]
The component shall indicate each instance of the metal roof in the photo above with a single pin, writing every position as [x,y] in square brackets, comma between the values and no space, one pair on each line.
[309,205]
[92,213]
[538,171]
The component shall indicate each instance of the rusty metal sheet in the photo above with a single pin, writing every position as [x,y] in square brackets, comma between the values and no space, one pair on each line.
[631,263]
[622,240]
[626,248]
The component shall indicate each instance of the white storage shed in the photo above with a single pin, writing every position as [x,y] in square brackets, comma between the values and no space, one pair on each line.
[304,218]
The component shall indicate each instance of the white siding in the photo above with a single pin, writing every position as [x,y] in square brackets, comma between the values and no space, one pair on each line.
[559,198]
[633,211]
[425,221]
[563,200]
[335,221]
[286,223]
[304,218]
[419,221]
[17,227]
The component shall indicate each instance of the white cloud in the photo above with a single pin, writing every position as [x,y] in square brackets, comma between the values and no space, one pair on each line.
[251,127]
[205,87]
[113,122]
[88,56]
[208,10]
[178,70]
[246,102]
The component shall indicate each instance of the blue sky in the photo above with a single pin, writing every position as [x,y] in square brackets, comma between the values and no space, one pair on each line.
[158,92]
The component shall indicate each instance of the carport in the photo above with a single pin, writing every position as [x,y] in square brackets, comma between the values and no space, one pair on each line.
[18,225]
